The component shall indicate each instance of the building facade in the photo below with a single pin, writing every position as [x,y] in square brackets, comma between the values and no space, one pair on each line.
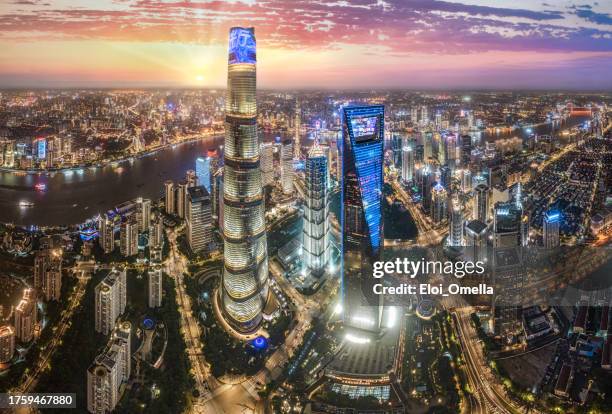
[110,300]
[244,288]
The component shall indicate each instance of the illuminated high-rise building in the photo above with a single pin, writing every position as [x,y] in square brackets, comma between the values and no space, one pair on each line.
[550,229]
[181,196]
[427,147]
[198,218]
[362,160]
[244,288]
[455,234]
[154,275]
[407,164]
[267,163]
[203,169]
[109,371]
[169,193]
[106,233]
[439,204]
[26,314]
[110,300]
[156,235]
[480,209]
[316,212]
[286,160]
[128,237]
[7,343]
[143,214]
[297,146]
[48,273]
[507,223]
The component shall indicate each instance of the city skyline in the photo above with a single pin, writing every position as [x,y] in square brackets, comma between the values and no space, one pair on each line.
[422,44]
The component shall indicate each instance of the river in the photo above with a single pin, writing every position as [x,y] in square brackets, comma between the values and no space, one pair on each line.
[73,196]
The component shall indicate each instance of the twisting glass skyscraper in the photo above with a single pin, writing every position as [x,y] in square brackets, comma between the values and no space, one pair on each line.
[244,289]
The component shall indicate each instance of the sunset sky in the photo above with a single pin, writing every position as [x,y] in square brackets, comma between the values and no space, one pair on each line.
[309,44]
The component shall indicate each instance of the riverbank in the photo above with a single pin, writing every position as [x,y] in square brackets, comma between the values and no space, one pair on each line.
[107,162]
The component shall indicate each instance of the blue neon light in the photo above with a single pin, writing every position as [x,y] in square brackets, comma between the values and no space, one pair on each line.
[42,148]
[242,46]
[553,217]
[259,343]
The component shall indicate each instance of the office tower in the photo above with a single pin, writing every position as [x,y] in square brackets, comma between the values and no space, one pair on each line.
[445,176]
[427,148]
[128,237]
[455,233]
[297,148]
[507,222]
[424,115]
[216,198]
[316,210]
[203,169]
[25,316]
[466,181]
[244,292]
[267,163]
[362,160]
[110,300]
[328,155]
[476,239]
[170,202]
[427,181]
[466,149]
[508,279]
[407,165]
[191,178]
[7,343]
[438,121]
[181,196]
[155,286]
[198,219]
[396,149]
[439,198]
[48,273]
[109,371]
[550,229]
[143,213]
[156,235]
[441,147]
[414,115]
[106,230]
[480,209]
[286,160]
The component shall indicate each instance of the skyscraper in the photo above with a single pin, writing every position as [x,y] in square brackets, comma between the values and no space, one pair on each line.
[143,214]
[362,221]
[156,235]
[169,192]
[203,168]
[407,164]
[550,229]
[7,343]
[181,197]
[480,209]
[48,273]
[439,205]
[316,210]
[154,275]
[507,223]
[297,146]
[109,371]
[198,218]
[26,314]
[267,163]
[128,237]
[455,234]
[106,230]
[244,288]
[110,300]
[286,160]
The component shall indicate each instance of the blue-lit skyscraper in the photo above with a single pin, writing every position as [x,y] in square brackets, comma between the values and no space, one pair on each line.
[362,221]
[202,169]
[550,229]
